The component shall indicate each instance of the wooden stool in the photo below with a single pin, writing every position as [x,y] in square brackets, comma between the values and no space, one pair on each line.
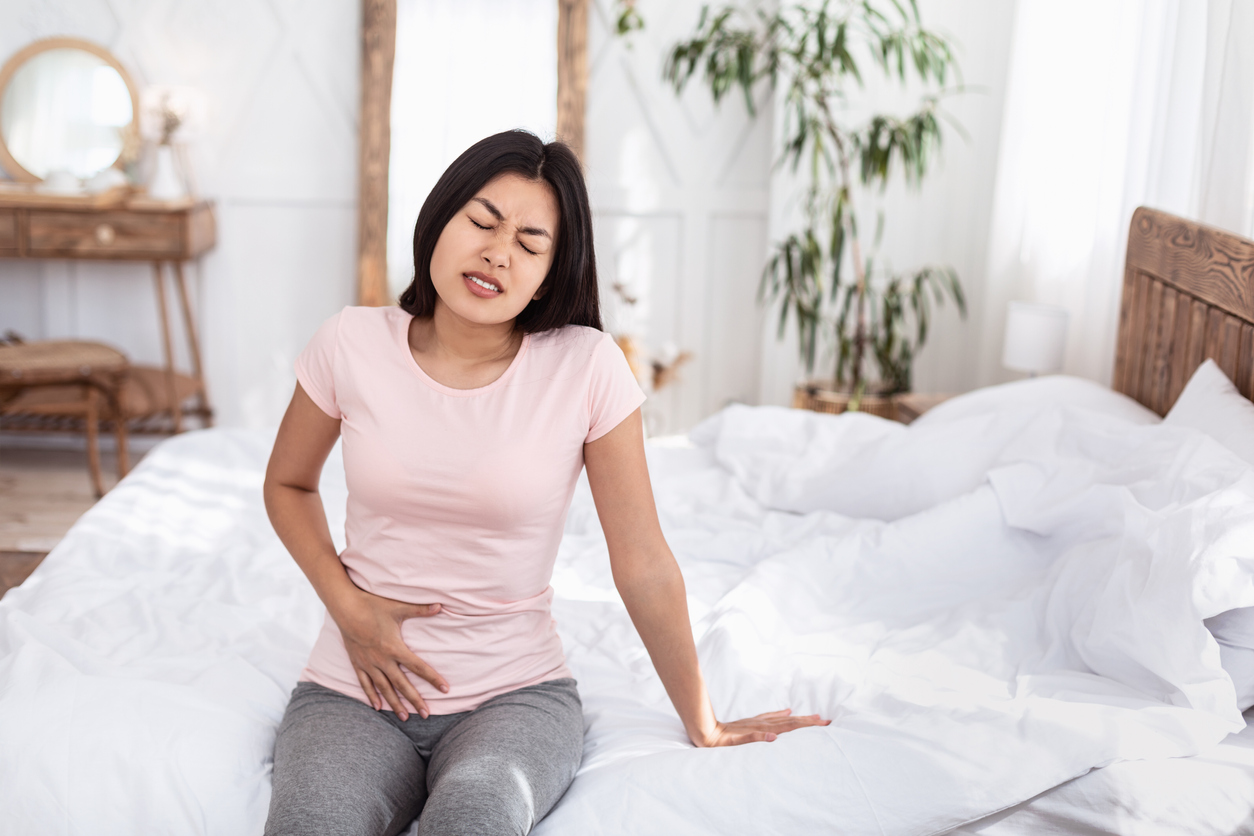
[66,378]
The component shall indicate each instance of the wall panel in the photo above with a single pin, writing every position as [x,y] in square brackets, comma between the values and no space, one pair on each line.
[680,191]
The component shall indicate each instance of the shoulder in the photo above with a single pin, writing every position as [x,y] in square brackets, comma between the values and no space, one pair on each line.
[354,318]
[358,335]
[571,344]
[572,352]
[361,317]
[570,338]
[368,328]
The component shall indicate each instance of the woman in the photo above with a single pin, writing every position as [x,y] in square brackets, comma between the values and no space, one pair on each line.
[438,684]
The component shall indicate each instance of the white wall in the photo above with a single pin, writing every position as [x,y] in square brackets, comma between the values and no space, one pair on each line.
[679,192]
[687,202]
[279,157]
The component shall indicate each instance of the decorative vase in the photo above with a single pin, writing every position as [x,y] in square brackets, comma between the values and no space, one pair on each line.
[166,183]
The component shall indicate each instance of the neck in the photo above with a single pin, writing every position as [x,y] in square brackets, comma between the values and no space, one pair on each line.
[449,335]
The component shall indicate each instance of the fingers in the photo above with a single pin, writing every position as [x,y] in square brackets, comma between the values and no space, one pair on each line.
[786,724]
[368,687]
[756,737]
[767,727]
[418,610]
[384,685]
[785,717]
[422,669]
[380,685]
[409,692]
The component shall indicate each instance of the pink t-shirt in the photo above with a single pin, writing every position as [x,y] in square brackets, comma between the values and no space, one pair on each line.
[459,496]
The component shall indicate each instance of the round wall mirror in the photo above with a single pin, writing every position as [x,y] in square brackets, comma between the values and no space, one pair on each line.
[66,105]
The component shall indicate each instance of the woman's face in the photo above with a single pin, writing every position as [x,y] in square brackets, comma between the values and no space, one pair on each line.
[493,255]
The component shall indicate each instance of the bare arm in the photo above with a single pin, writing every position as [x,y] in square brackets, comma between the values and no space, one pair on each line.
[652,587]
[369,623]
[305,439]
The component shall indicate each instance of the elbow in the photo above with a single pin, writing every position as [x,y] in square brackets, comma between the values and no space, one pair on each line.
[268,488]
[636,575]
[273,492]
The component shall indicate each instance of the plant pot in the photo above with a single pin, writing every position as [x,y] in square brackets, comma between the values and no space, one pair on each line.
[818,399]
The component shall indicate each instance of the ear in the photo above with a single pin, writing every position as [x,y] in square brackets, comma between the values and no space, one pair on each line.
[540,291]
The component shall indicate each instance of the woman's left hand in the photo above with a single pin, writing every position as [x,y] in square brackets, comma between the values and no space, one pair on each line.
[763,727]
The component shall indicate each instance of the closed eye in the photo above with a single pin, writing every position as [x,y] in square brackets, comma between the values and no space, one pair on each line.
[526,249]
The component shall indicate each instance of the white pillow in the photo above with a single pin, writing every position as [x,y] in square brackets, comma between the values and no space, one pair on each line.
[1040,393]
[1211,404]
[1234,630]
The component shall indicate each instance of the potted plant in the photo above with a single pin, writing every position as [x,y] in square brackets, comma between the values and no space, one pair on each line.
[822,275]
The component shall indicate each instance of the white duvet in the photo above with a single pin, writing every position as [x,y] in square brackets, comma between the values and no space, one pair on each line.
[988,603]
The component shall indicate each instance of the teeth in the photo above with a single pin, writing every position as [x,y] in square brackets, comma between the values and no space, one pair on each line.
[482,283]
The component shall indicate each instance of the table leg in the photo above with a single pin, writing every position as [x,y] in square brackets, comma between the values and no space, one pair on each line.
[93,446]
[193,344]
[114,397]
[176,411]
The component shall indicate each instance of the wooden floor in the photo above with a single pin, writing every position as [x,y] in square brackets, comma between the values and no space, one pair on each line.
[15,567]
[42,493]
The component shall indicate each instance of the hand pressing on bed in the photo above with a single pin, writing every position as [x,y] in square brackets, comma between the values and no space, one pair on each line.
[762,727]
[371,627]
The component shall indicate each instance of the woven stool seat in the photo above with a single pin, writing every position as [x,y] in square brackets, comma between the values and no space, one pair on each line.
[70,375]
[56,361]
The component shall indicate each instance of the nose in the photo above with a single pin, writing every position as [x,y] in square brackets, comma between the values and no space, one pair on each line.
[496,254]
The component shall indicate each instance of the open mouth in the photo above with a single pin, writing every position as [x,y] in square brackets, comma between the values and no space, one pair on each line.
[481,285]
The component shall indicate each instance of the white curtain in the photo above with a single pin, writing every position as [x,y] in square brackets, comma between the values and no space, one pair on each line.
[464,69]
[1112,104]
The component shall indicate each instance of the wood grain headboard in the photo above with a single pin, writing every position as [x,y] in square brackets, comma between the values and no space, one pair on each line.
[1188,294]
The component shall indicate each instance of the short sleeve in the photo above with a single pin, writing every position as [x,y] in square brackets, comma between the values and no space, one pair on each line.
[614,393]
[315,367]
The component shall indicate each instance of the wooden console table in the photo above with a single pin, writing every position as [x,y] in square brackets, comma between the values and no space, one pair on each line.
[117,227]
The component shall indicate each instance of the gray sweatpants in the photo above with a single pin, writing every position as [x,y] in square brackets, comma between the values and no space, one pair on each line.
[342,768]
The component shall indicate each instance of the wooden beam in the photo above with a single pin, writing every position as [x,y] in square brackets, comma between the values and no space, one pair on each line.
[572,72]
[378,42]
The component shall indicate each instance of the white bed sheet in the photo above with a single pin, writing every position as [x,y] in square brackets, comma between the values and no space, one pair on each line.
[1209,794]
[1010,596]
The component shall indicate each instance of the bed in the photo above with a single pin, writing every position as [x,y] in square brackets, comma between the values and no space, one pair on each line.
[1002,607]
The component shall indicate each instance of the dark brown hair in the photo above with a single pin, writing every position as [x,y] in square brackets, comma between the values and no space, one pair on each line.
[570,296]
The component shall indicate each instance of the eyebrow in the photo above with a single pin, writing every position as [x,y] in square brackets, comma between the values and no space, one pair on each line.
[496,213]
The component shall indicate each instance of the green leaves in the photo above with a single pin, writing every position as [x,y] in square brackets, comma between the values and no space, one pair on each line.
[813,54]
[914,141]
[903,299]
[792,274]
[729,55]
[629,19]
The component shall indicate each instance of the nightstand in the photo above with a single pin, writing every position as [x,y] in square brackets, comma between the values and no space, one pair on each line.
[910,405]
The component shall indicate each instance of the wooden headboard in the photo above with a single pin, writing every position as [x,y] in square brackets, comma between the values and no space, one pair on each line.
[1188,294]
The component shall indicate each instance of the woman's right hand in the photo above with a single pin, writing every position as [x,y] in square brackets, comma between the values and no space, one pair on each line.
[371,627]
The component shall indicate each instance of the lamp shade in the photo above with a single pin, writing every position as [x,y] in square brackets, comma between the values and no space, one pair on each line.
[1036,338]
